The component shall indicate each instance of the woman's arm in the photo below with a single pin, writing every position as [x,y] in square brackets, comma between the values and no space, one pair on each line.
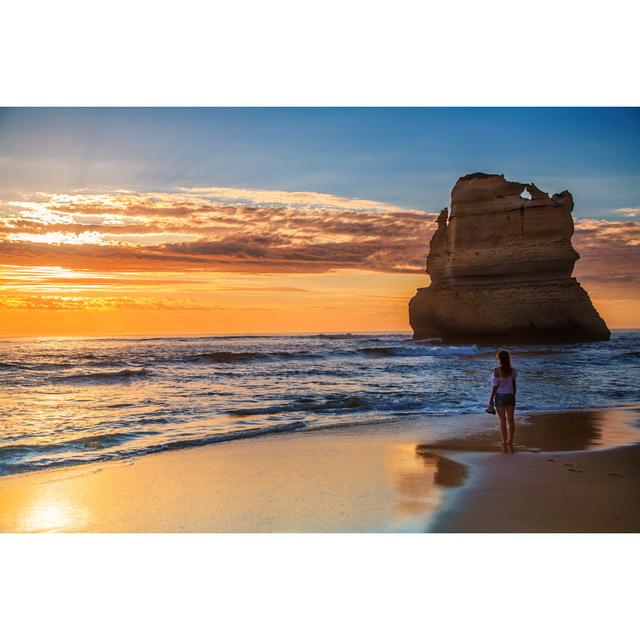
[494,382]
[494,379]
[493,395]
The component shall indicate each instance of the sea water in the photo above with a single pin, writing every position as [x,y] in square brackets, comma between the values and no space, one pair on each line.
[69,401]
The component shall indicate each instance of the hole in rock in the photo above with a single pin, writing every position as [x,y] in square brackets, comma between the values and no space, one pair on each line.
[526,195]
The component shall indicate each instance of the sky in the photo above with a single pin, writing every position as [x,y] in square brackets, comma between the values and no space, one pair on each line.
[144,221]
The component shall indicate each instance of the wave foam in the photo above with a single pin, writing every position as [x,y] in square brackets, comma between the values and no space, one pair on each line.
[110,440]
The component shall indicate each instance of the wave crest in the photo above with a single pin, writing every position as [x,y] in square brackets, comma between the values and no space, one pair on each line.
[121,375]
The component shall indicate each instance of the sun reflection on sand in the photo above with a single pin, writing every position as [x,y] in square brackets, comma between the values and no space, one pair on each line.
[51,511]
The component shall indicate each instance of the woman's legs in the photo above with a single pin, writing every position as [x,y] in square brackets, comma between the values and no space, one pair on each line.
[502,414]
[512,423]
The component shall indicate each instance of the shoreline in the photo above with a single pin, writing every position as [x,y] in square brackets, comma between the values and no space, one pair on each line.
[387,421]
[408,475]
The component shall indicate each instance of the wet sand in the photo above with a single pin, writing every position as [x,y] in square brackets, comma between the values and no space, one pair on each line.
[571,471]
[574,471]
[585,492]
[336,480]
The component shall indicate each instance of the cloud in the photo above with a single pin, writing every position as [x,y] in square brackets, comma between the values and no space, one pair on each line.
[103,303]
[256,231]
[261,289]
[609,257]
[610,279]
[295,199]
[33,282]
[58,237]
[25,302]
[630,212]
[216,229]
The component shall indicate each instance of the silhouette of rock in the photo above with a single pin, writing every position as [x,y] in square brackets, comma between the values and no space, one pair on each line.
[500,266]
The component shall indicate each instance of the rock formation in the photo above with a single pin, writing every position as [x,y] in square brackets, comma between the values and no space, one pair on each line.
[500,266]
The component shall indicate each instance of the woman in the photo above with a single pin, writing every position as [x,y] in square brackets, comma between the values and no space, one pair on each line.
[504,394]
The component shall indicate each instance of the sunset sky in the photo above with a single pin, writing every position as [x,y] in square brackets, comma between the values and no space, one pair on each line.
[145,221]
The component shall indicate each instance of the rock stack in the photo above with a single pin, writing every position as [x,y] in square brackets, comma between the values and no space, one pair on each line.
[500,264]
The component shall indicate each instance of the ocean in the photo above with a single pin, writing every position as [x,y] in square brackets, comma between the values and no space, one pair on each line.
[66,401]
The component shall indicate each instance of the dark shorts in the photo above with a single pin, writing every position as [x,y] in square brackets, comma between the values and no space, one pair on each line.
[505,400]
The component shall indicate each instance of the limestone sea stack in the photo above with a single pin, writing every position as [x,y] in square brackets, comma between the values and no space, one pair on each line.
[500,265]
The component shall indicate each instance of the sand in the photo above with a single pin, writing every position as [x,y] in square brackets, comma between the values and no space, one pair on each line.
[571,471]
[586,492]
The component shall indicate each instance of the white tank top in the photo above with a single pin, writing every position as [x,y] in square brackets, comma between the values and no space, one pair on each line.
[505,385]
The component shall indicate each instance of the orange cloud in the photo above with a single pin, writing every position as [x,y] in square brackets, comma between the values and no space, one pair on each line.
[304,232]
[225,229]
[106,303]
[610,253]
[253,231]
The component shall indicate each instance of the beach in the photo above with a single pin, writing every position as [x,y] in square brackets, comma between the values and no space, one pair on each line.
[572,471]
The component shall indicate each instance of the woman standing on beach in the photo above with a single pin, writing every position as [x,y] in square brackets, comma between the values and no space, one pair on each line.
[504,395]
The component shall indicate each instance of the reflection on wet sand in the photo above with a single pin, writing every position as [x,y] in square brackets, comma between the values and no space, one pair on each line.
[413,481]
[418,479]
[562,431]
[449,473]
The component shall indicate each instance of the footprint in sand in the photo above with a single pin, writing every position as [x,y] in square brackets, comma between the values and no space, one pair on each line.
[617,475]
[550,460]
[575,470]
[567,464]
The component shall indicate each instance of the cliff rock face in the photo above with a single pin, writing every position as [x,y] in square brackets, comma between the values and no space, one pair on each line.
[500,265]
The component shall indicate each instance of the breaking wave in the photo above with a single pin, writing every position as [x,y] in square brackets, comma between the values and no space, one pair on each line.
[420,352]
[122,375]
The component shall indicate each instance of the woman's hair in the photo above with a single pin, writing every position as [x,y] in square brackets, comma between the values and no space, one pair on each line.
[505,362]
